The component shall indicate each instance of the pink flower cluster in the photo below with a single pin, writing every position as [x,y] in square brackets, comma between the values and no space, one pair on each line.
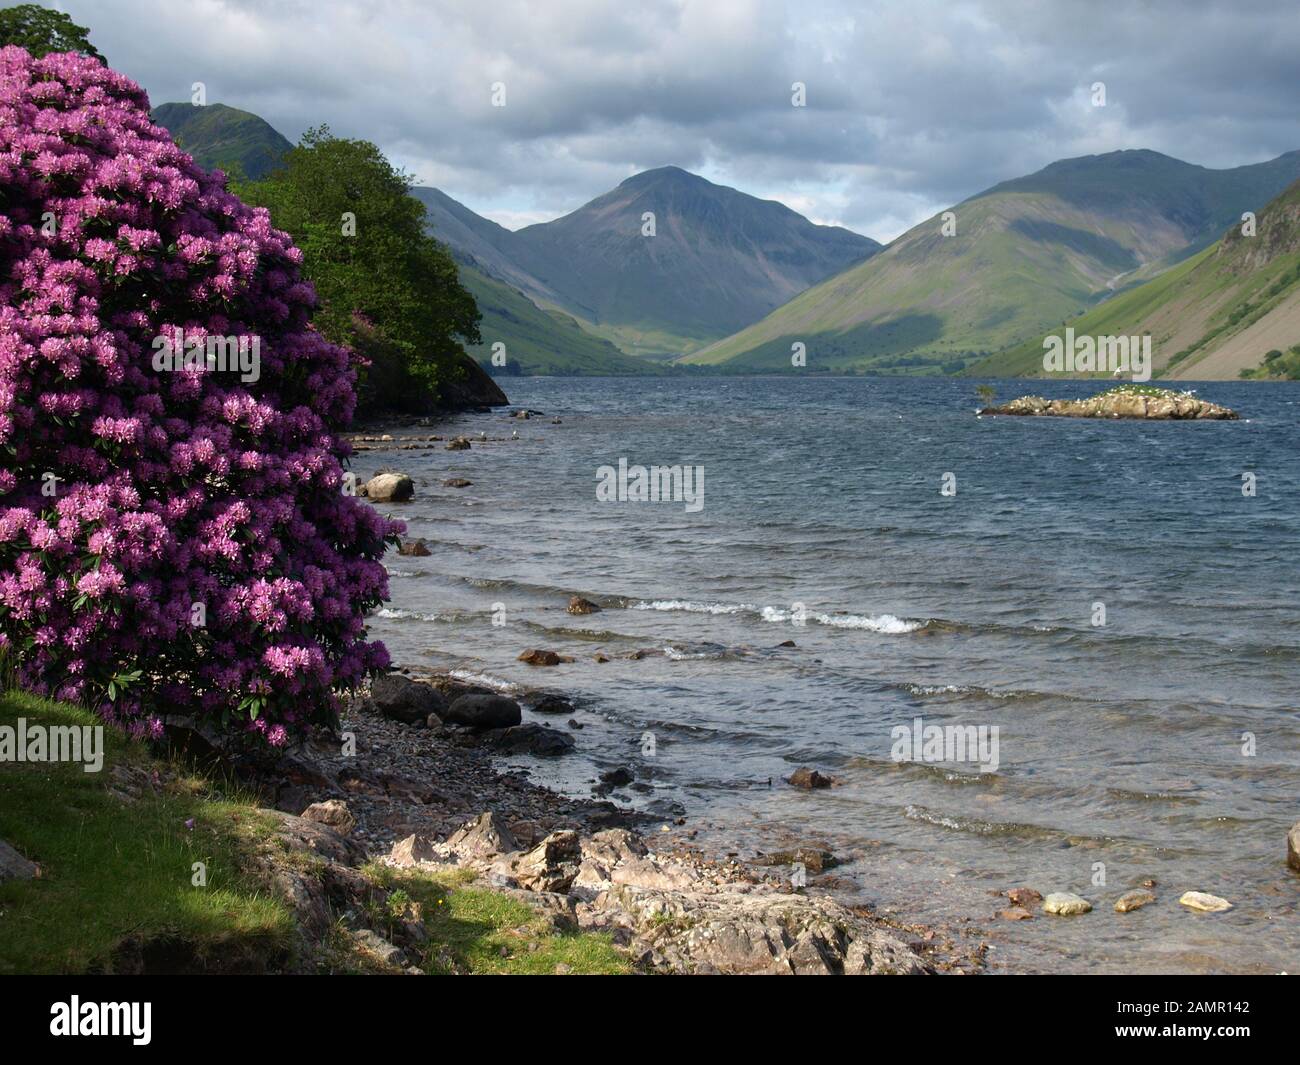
[180,525]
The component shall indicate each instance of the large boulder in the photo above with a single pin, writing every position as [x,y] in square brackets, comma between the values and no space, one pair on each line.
[484,711]
[331,812]
[550,866]
[405,700]
[389,488]
[533,738]
[487,835]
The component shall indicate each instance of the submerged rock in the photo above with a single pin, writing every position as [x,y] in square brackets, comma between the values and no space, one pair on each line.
[460,443]
[1126,401]
[417,548]
[1065,904]
[537,657]
[1204,902]
[1293,847]
[807,778]
[578,605]
[1133,900]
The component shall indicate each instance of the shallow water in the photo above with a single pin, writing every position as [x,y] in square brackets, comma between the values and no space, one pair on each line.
[1119,744]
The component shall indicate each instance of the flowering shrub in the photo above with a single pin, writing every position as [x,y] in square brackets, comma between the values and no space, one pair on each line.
[170,540]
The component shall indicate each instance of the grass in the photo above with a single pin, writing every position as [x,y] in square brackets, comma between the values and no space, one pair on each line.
[115,870]
[117,873]
[484,932]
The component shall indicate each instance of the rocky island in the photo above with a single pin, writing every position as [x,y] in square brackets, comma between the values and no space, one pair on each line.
[1125,401]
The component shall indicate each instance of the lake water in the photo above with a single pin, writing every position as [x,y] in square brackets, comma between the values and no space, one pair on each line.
[1124,748]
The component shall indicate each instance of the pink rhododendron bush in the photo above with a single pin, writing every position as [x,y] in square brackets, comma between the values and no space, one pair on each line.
[173,537]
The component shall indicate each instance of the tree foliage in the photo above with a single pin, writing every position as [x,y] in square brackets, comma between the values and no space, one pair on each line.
[41,31]
[386,287]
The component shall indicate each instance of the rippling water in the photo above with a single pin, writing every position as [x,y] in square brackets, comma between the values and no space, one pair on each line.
[1119,744]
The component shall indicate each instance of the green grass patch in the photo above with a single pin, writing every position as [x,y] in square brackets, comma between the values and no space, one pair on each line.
[115,870]
[477,930]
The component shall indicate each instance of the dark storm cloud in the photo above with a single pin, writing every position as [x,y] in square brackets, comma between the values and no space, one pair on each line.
[912,105]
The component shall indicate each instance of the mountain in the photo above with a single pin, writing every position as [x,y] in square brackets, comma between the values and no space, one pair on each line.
[1026,254]
[218,136]
[718,260]
[1212,317]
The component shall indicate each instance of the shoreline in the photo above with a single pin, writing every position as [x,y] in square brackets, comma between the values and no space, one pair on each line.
[472,758]
[429,797]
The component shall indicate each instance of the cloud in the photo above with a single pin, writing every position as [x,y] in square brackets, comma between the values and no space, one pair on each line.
[911,105]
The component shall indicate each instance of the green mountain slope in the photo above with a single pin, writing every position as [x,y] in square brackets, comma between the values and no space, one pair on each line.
[538,341]
[219,136]
[1026,254]
[1211,317]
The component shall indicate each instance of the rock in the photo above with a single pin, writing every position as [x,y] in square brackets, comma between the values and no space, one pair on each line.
[537,657]
[456,482]
[578,605]
[484,711]
[1024,896]
[1015,914]
[1204,902]
[1133,900]
[814,859]
[553,704]
[533,738]
[303,836]
[460,443]
[418,548]
[1123,401]
[331,812]
[617,778]
[787,643]
[402,699]
[654,876]
[412,850]
[1293,847]
[550,866]
[13,866]
[1065,904]
[485,836]
[389,488]
[373,943]
[807,778]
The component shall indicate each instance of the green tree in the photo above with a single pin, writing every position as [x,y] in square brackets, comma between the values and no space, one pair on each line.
[42,31]
[386,287]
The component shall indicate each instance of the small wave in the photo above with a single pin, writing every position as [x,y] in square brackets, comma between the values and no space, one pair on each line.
[486,680]
[975,825]
[403,615]
[888,624]
[693,608]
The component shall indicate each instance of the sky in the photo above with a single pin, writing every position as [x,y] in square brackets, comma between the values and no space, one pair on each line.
[910,105]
